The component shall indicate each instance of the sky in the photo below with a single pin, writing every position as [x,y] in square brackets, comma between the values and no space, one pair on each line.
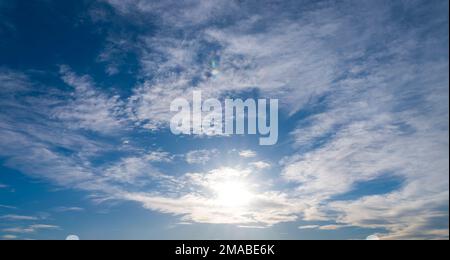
[85,141]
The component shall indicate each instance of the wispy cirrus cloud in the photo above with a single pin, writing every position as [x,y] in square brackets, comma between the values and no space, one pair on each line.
[30,229]
[9,237]
[395,124]
[7,206]
[160,156]
[131,170]
[18,217]
[325,227]
[69,209]
[89,108]
[198,197]
[261,165]
[376,116]
[190,13]
[247,154]
[201,156]
[244,58]
[54,147]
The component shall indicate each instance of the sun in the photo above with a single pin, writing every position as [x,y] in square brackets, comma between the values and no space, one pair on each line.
[233,194]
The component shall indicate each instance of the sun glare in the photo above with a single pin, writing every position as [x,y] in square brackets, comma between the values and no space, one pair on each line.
[233,194]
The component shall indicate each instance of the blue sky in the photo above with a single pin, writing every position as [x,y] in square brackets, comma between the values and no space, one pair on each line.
[86,149]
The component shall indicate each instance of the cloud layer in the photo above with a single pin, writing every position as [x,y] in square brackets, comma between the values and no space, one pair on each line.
[363,87]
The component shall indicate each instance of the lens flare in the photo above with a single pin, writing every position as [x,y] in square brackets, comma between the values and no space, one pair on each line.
[214,68]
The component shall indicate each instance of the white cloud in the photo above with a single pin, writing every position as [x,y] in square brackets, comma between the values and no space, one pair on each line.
[43,226]
[151,102]
[18,217]
[324,227]
[373,237]
[247,154]
[186,13]
[69,209]
[200,199]
[116,49]
[160,156]
[33,151]
[383,93]
[88,107]
[246,58]
[35,139]
[332,227]
[201,156]
[381,119]
[260,165]
[252,227]
[13,81]
[366,148]
[131,170]
[309,227]
[9,237]
[30,229]
[368,127]
[384,108]
[7,207]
